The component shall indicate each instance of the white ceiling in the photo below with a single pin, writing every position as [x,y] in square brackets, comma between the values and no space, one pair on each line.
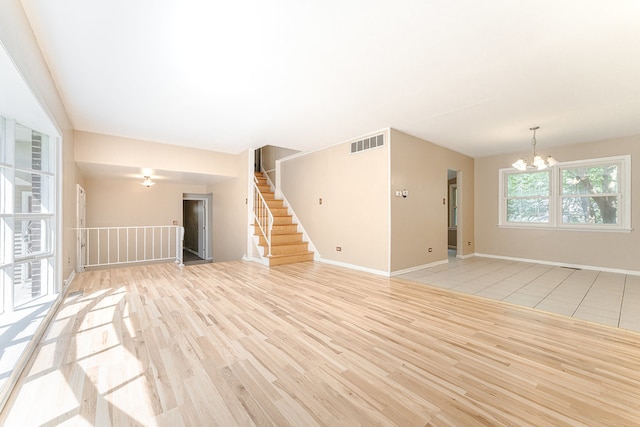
[470,75]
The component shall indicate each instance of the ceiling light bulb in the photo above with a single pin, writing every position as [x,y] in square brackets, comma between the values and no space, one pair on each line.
[147,182]
[521,165]
[539,163]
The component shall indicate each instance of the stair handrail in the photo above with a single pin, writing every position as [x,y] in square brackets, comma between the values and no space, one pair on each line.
[262,214]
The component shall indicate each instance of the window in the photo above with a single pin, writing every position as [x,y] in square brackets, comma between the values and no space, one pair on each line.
[528,197]
[585,195]
[27,208]
[590,194]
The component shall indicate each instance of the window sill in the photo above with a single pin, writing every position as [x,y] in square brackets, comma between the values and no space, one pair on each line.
[565,228]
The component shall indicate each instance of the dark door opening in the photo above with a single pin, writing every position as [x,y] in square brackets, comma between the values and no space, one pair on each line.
[194,230]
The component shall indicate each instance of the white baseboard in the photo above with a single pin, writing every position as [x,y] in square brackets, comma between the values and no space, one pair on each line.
[562,264]
[418,267]
[263,261]
[354,267]
[68,281]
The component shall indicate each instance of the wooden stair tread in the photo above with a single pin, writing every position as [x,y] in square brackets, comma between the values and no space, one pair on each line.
[289,259]
[287,244]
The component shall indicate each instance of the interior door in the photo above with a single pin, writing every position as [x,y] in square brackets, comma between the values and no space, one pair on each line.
[81,226]
[195,230]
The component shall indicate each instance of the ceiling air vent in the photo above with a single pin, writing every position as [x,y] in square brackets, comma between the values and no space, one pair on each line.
[367,143]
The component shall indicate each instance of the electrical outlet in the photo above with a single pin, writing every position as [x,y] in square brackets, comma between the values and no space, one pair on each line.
[468,243]
[320,200]
[339,248]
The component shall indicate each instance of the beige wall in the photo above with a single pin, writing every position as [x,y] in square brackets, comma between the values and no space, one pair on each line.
[122,203]
[270,154]
[19,41]
[595,249]
[114,150]
[420,221]
[354,213]
[229,213]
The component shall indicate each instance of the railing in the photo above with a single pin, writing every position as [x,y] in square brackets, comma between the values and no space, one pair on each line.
[100,246]
[262,215]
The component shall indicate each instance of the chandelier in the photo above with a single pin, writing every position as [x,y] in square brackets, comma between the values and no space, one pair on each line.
[147,182]
[535,161]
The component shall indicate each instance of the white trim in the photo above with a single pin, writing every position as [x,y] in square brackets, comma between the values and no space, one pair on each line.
[625,180]
[461,219]
[58,239]
[555,198]
[354,267]
[562,264]
[300,228]
[207,239]
[389,202]
[68,281]
[460,256]
[503,199]
[249,202]
[418,267]
[600,229]
[80,260]
[263,261]
[450,205]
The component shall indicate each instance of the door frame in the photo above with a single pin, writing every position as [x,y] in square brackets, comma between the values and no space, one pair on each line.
[459,216]
[81,223]
[204,223]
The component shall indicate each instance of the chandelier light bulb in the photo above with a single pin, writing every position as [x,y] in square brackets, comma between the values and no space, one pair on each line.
[535,161]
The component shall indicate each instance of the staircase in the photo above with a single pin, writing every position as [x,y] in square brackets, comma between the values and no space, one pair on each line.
[287,245]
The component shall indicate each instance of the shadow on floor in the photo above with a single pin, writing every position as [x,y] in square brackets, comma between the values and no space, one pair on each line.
[189,258]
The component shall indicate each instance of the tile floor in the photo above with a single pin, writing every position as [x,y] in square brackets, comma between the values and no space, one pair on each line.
[607,298]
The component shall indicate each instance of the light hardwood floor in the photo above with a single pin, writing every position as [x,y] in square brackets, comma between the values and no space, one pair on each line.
[310,344]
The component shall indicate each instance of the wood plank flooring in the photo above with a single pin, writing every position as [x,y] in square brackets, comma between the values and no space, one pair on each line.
[310,344]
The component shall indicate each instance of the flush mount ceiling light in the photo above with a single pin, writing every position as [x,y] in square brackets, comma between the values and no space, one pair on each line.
[147,182]
[535,161]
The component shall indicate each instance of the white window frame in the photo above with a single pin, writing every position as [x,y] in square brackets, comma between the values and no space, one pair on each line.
[11,262]
[502,222]
[555,200]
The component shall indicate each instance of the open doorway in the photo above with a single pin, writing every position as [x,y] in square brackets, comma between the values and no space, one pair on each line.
[195,216]
[453,212]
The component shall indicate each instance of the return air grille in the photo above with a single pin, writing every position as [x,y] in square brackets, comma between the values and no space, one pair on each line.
[367,143]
